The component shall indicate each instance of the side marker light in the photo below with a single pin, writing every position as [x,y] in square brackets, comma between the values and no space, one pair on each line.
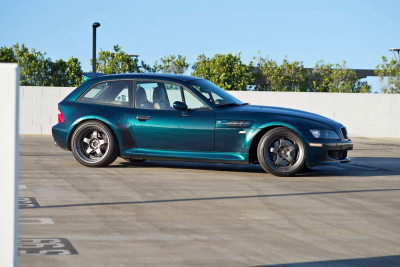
[315,144]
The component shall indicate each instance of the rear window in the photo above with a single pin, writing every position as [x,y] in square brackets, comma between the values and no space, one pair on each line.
[110,93]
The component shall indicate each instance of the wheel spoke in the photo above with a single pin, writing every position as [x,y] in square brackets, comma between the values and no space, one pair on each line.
[94,134]
[89,150]
[290,159]
[98,151]
[282,142]
[278,161]
[292,147]
[273,150]
[86,140]
[102,142]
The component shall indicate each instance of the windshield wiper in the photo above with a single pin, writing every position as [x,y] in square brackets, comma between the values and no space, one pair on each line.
[228,105]
[244,104]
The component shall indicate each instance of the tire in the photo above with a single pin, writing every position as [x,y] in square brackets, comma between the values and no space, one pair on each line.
[281,152]
[93,144]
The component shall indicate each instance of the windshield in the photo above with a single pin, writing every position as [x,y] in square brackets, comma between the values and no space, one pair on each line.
[214,94]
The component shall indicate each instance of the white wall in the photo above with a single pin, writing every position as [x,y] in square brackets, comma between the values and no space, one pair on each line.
[39,108]
[9,163]
[364,115]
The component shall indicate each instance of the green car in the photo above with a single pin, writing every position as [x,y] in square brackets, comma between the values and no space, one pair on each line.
[142,117]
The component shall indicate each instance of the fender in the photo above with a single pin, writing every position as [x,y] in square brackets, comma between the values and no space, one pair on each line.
[283,124]
[93,117]
[257,134]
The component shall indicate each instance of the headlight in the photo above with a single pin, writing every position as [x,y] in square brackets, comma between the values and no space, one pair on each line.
[325,134]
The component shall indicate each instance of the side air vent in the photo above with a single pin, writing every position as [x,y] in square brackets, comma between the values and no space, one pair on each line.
[234,124]
[344,133]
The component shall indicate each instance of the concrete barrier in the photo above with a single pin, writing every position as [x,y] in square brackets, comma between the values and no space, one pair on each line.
[39,108]
[364,115]
[9,162]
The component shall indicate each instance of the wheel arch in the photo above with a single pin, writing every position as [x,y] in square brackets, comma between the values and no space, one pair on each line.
[78,122]
[264,129]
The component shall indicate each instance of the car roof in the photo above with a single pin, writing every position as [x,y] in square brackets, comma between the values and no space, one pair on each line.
[147,76]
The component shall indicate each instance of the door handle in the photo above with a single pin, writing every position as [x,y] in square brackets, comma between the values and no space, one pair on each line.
[142,118]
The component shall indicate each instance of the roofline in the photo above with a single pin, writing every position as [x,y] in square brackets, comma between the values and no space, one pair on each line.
[185,78]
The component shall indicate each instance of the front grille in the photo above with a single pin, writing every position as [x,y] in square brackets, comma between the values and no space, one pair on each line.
[344,133]
[337,154]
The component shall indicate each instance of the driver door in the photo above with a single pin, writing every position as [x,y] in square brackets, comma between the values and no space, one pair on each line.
[157,125]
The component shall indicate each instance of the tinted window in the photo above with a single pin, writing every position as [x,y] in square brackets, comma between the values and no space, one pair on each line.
[213,93]
[111,93]
[192,102]
[162,95]
[145,93]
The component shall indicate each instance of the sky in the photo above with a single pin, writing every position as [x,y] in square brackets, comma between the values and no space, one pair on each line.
[357,31]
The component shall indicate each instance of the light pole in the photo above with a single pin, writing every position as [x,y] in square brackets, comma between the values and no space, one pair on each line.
[95,25]
[398,51]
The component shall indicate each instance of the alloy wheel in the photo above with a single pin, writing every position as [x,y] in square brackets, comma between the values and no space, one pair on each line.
[282,153]
[92,145]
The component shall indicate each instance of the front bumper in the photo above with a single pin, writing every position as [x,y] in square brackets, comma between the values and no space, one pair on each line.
[330,153]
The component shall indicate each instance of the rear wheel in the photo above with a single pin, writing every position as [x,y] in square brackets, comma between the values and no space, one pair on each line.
[281,152]
[93,144]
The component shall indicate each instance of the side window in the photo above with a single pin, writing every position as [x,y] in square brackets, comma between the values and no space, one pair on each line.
[192,102]
[162,95]
[144,94]
[112,93]
[156,95]
[173,92]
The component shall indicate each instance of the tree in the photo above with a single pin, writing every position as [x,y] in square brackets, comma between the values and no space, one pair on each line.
[118,61]
[389,75]
[293,77]
[36,70]
[172,64]
[290,76]
[226,71]
[336,78]
[7,55]
[66,73]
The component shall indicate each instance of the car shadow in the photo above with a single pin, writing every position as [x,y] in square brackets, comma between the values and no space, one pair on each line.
[191,166]
[360,167]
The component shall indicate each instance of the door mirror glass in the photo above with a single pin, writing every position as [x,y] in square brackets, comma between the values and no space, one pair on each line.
[178,105]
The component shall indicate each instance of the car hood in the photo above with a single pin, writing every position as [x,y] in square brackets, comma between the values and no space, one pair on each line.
[264,114]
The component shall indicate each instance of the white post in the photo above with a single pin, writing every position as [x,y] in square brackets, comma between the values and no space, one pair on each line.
[9,163]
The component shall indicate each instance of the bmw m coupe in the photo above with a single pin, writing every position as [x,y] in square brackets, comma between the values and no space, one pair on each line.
[174,117]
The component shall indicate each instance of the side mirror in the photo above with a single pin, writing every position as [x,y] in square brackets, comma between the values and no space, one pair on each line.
[178,105]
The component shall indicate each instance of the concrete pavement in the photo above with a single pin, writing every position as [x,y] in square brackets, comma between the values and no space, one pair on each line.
[160,213]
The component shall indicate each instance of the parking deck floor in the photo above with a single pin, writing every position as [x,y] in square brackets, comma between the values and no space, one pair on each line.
[160,213]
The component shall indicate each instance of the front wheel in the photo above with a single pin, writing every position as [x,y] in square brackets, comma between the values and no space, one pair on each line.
[94,145]
[281,152]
